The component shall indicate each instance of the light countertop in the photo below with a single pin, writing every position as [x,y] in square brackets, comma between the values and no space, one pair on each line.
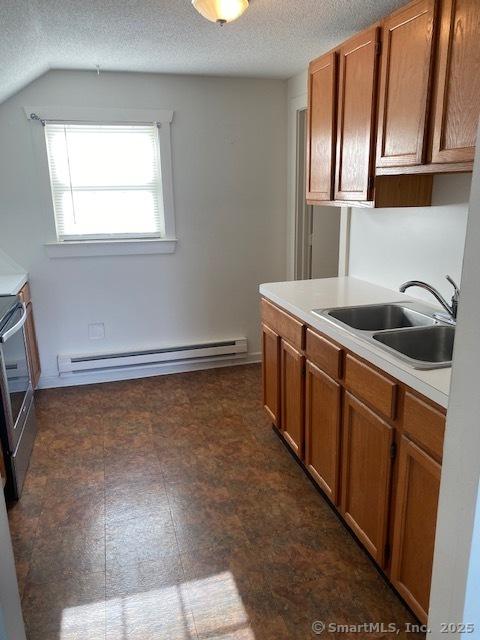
[10,284]
[301,296]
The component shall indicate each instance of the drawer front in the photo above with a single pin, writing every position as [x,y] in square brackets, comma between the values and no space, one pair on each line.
[375,388]
[283,324]
[424,424]
[24,294]
[326,355]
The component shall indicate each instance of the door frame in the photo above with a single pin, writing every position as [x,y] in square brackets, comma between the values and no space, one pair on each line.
[297,101]
[303,211]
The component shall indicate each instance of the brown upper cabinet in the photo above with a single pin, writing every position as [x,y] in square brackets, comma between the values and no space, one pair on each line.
[342,129]
[407,41]
[457,82]
[356,117]
[407,106]
[322,89]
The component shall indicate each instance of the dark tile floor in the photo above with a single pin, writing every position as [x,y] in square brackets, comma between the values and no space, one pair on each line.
[166,509]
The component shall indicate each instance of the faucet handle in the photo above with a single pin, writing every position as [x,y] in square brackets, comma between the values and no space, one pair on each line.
[454,285]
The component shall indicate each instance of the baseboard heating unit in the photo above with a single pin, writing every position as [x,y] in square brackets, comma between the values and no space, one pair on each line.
[199,352]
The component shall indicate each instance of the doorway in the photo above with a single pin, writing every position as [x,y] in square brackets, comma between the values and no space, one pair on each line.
[317,229]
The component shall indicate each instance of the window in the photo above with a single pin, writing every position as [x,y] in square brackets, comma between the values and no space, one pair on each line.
[106,181]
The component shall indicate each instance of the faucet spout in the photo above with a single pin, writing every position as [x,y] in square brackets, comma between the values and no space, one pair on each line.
[451,309]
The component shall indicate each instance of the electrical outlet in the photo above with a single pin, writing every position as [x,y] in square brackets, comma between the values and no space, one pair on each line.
[96,331]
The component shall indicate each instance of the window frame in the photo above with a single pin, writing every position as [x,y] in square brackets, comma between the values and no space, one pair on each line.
[114,245]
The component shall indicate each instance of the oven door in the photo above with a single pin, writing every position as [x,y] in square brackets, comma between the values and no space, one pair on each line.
[15,377]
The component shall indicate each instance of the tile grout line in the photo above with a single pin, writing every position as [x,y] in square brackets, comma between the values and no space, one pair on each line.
[179,553]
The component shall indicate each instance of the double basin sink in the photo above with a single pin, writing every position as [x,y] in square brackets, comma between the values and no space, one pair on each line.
[407,330]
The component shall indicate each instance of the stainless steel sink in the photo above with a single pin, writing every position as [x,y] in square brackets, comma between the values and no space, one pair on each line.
[377,317]
[430,345]
[408,330]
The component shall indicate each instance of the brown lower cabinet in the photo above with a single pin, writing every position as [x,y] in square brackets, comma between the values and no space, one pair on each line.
[375,454]
[32,347]
[414,525]
[292,369]
[323,398]
[271,373]
[366,471]
[30,336]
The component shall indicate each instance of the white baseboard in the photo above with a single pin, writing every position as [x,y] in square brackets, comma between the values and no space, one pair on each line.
[94,377]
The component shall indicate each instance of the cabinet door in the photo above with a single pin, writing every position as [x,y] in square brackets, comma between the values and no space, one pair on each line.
[458,82]
[271,373]
[366,470]
[356,117]
[32,347]
[322,429]
[414,526]
[292,398]
[322,81]
[407,57]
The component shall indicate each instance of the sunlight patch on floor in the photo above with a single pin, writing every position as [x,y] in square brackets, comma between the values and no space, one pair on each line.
[211,607]
[84,621]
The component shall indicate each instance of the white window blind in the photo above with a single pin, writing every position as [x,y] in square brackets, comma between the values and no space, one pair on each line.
[106,181]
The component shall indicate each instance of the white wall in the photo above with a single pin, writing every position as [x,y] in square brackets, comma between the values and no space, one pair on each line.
[456,572]
[297,86]
[389,246]
[229,150]
[325,241]
[11,621]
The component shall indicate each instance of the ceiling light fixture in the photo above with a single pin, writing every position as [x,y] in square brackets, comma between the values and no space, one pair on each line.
[220,11]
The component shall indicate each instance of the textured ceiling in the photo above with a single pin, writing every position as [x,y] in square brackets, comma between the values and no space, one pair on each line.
[274,38]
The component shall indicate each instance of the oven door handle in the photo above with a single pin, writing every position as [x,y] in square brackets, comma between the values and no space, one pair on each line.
[16,327]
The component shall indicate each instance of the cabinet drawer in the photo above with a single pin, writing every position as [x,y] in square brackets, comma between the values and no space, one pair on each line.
[326,355]
[424,424]
[24,294]
[370,385]
[283,324]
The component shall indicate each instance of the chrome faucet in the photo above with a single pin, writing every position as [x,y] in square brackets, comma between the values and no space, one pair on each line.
[451,309]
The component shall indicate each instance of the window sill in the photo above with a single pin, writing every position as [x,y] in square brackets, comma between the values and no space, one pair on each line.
[91,248]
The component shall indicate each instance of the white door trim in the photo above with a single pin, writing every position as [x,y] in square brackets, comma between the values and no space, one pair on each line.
[295,105]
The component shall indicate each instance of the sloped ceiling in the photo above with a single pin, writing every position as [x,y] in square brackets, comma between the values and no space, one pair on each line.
[274,38]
